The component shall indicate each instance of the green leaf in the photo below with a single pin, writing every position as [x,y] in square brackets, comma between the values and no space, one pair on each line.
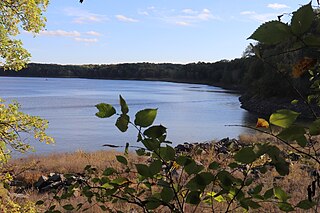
[167,153]
[280,194]
[155,167]
[245,155]
[120,180]
[105,110]
[122,122]
[226,179]
[109,171]
[280,163]
[283,118]
[167,194]
[103,208]
[218,198]
[257,189]
[141,152]
[314,128]
[286,207]
[312,40]
[272,32]
[193,197]
[145,118]
[143,170]
[193,168]
[233,165]
[294,133]
[152,203]
[253,204]
[184,160]
[214,165]
[302,19]
[268,194]
[200,181]
[150,144]
[126,149]
[124,106]
[39,202]
[294,102]
[305,204]
[122,159]
[68,207]
[155,131]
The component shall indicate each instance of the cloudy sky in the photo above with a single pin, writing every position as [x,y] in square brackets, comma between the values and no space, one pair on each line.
[175,31]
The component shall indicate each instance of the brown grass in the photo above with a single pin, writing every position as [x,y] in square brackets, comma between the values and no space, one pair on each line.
[29,169]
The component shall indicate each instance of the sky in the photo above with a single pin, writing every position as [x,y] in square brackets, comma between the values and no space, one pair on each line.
[155,31]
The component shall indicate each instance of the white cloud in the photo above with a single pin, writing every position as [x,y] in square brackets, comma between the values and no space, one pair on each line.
[93,33]
[182,23]
[277,6]
[263,17]
[189,11]
[247,13]
[185,17]
[83,16]
[86,40]
[61,33]
[125,19]
[144,13]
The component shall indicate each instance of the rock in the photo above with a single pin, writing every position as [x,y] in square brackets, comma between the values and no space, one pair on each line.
[41,182]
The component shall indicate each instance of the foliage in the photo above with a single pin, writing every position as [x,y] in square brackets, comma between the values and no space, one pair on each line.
[15,15]
[13,123]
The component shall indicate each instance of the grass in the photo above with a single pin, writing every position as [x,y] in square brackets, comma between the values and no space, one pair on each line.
[29,169]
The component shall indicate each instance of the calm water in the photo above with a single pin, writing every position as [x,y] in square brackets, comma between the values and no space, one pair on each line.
[192,113]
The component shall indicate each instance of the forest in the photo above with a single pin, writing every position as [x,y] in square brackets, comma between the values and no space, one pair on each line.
[258,84]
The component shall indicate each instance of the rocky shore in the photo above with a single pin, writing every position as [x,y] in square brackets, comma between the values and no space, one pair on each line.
[267,106]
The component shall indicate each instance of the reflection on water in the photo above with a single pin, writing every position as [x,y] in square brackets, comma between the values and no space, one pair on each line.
[191,113]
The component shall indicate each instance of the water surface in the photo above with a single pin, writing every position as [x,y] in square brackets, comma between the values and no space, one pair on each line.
[192,113]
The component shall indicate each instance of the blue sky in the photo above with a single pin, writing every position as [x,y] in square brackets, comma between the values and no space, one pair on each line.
[174,31]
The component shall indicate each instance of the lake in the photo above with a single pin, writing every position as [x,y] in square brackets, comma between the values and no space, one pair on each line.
[192,113]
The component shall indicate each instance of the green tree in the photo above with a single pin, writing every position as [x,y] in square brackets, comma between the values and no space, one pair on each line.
[15,15]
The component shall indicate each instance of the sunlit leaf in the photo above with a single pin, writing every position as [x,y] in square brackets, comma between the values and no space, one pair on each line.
[262,123]
[283,118]
[280,194]
[218,198]
[294,102]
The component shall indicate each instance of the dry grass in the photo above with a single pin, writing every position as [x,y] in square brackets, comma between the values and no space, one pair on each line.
[29,169]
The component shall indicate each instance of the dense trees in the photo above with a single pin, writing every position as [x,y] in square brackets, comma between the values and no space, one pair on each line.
[16,15]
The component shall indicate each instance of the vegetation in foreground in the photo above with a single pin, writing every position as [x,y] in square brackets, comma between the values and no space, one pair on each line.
[26,171]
